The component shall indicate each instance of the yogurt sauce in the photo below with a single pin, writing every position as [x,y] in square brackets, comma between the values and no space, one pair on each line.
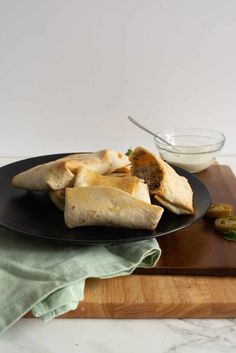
[193,163]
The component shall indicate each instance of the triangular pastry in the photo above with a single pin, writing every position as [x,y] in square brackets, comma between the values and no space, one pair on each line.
[169,189]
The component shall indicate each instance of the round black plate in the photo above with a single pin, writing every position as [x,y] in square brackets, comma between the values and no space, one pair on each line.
[32,212]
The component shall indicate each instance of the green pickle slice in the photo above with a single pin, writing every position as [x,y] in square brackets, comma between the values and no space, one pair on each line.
[220,210]
[225,224]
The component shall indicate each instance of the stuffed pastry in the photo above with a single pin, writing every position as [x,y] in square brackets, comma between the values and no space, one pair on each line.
[61,173]
[131,184]
[169,189]
[85,177]
[98,205]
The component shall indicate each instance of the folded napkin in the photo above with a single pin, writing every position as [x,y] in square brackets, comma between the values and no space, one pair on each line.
[49,278]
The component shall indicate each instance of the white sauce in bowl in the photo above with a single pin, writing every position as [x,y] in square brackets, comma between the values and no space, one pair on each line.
[193,163]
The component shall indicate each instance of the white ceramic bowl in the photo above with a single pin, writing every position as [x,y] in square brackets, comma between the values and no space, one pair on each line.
[193,149]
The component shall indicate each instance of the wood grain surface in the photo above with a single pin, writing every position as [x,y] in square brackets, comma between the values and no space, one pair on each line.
[199,249]
[195,250]
[158,297]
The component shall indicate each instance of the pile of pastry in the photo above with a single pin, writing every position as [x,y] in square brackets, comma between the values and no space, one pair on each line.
[110,188]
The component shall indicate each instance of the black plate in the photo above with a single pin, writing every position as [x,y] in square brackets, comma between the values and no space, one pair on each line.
[32,212]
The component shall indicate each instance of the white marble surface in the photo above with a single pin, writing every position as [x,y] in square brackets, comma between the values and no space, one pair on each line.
[130,336]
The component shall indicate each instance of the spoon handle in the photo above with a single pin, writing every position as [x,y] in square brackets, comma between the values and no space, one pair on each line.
[147,130]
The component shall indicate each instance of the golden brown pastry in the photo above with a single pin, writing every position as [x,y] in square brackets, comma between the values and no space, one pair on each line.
[169,189]
[131,184]
[61,173]
[85,177]
[98,205]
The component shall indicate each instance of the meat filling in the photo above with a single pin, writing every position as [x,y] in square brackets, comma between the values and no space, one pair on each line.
[151,174]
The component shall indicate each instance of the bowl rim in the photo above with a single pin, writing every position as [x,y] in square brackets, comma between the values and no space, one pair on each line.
[216,146]
[189,153]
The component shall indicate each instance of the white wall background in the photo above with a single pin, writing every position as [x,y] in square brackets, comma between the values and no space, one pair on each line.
[71,71]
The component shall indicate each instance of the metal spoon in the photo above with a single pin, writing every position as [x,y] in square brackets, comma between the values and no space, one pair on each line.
[150,132]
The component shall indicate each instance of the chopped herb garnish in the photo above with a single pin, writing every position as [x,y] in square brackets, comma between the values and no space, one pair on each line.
[230,235]
[129,152]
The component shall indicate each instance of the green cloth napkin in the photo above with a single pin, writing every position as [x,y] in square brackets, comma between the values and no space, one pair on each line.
[49,278]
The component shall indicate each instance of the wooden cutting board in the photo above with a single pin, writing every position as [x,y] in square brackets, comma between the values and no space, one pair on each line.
[199,249]
[180,285]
